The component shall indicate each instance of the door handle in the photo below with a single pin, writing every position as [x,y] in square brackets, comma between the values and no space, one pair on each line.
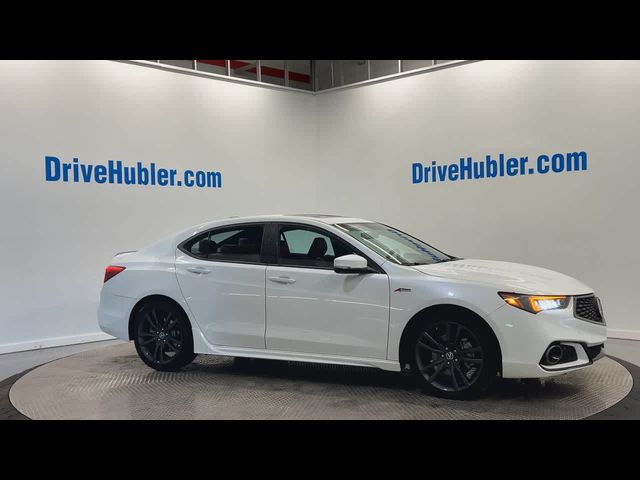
[198,270]
[285,280]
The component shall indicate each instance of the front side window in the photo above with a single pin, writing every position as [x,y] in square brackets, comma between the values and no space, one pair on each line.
[393,244]
[237,243]
[300,246]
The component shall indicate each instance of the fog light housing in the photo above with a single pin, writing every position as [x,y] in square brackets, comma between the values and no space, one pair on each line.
[553,355]
[558,354]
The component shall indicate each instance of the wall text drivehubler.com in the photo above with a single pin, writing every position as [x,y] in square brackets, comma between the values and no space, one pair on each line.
[115,172]
[500,166]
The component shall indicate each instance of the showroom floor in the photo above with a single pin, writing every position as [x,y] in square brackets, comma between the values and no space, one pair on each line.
[13,363]
[99,380]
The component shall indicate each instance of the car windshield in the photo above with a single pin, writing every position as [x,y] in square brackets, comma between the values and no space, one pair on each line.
[393,244]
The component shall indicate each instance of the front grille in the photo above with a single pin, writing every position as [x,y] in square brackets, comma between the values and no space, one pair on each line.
[587,308]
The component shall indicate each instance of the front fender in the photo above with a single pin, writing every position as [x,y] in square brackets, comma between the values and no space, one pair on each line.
[411,295]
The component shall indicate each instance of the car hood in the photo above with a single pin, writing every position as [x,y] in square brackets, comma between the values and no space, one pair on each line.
[508,277]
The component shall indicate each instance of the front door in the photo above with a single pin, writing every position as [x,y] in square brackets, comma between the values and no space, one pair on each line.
[312,309]
[223,281]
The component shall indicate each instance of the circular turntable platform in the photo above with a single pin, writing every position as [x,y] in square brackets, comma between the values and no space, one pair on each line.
[113,383]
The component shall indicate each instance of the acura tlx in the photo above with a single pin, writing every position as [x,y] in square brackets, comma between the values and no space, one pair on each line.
[339,290]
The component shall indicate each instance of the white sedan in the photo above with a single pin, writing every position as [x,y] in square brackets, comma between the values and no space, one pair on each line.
[331,289]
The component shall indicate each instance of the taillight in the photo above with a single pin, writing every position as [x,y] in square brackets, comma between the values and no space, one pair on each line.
[111,271]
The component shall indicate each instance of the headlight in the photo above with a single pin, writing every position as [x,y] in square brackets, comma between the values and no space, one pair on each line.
[535,303]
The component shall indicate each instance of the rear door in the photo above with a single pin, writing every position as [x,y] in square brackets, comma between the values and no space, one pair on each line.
[312,309]
[222,277]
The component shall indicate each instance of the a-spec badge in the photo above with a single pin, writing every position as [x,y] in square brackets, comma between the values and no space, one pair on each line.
[401,289]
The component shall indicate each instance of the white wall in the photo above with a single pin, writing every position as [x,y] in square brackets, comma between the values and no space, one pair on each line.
[583,224]
[57,237]
[347,151]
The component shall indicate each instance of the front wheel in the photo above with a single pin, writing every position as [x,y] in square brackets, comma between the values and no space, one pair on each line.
[454,357]
[163,336]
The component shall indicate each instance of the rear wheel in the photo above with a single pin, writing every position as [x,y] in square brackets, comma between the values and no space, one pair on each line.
[454,357]
[163,336]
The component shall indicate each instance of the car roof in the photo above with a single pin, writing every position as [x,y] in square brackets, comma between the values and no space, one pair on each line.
[319,217]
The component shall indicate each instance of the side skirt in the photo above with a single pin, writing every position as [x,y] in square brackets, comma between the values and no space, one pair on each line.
[202,346]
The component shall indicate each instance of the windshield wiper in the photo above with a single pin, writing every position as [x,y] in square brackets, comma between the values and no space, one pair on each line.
[413,264]
[452,259]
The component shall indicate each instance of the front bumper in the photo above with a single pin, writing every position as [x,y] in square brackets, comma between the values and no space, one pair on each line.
[524,338]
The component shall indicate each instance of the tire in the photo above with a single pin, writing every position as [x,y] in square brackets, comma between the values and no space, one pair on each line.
[162,336]
[454,356]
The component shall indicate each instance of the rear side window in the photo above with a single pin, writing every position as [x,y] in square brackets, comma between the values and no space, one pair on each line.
[234,244]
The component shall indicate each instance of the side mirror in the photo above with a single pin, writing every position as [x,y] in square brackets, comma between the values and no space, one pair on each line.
[351,264]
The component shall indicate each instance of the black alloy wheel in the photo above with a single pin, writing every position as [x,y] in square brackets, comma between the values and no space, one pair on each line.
[454,358]
[163,336]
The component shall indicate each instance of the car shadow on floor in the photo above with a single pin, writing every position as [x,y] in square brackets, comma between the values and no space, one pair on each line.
[512,389]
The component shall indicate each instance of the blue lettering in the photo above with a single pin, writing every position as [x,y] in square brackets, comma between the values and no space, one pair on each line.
[453,172]
[214,180]
[512,167]
[100,172]
[65,171]
[557,163]
[576,161]
[163,176]
[478,170]
[523,165]
[143,174]
[492,167]
[129,175]
[76,175]
[188,178]
[418,173]
[201,179]
[543,164]
[115,171]
[465,168]
[51,169]
[86,172]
